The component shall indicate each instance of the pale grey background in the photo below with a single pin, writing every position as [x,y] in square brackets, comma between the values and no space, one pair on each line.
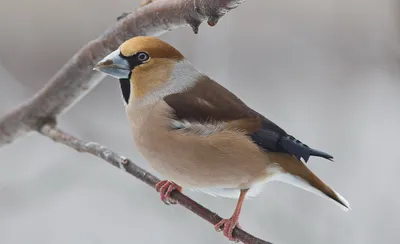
[325,70]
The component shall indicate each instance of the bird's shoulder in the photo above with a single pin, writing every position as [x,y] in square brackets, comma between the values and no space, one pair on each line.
[209,102]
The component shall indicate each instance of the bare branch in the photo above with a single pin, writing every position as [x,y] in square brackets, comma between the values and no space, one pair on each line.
[130,167]
[76,78]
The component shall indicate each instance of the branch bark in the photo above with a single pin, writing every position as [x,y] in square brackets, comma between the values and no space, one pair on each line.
[76,78]
[127,165]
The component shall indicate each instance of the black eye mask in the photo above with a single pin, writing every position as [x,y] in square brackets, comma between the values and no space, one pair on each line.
[136,59]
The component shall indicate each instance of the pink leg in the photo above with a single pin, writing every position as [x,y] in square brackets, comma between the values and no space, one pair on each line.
[227,225]
[165,188]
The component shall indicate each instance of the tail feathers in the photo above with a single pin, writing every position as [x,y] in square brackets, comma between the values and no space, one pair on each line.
[300,150]
[330,193]
[296,173]
[321,190]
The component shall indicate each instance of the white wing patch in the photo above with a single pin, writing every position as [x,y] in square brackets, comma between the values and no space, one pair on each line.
[197,128]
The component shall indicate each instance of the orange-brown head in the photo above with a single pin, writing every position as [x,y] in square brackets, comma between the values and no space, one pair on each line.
[147,62]
[154,47]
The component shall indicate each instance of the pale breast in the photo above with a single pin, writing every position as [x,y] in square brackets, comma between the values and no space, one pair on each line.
[226,159]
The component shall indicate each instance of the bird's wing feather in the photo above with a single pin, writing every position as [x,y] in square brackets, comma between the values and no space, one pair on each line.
[209,103]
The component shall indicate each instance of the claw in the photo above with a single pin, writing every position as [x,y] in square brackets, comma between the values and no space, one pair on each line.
[227,226]
[165,188]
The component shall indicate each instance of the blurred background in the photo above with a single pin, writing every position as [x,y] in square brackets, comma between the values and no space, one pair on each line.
[327,71]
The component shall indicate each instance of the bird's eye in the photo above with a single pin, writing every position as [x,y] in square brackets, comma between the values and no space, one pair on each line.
[142,56]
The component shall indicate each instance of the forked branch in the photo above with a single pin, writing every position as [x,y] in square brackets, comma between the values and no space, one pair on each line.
[76,78]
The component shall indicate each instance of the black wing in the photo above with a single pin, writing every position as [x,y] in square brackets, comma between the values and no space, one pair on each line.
[277,140]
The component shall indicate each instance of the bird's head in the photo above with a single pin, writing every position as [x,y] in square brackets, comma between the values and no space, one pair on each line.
[144,65]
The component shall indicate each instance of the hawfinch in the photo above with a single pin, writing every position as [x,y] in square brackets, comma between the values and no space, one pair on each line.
[201,136]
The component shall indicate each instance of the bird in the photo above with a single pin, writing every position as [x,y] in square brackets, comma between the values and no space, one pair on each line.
[199,135]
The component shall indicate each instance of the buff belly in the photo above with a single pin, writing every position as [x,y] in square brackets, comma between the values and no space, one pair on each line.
[218,164]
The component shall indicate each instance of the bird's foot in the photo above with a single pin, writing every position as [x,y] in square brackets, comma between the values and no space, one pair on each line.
[227,226]
[165,188]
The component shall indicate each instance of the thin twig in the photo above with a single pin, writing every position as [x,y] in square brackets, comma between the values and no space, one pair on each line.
[131,168]
[76,78]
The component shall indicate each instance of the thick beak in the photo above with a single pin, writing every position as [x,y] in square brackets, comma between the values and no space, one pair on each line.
[114,65]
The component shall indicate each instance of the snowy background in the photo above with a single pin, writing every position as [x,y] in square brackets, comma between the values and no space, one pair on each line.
[327,71]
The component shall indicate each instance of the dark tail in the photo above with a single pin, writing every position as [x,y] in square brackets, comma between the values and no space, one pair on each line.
[300,150]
